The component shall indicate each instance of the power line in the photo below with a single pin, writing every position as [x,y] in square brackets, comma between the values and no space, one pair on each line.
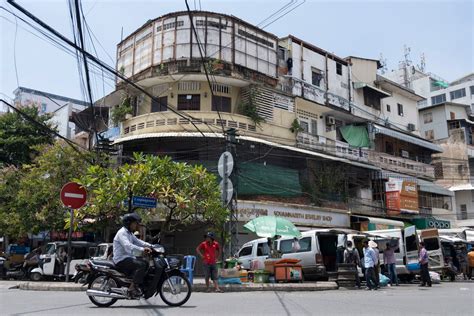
[51,40]
[284,14]
[203,61]
[14,53]
[276,12]
[49,130]
[100,63]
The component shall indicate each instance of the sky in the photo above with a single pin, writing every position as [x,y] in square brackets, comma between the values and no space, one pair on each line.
[442,30]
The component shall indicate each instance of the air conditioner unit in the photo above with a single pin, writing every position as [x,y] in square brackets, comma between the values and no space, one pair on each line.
[405,154]
[330,120]
[411,127]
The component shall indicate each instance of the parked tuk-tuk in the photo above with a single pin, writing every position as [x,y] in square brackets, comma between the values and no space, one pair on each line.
[455,257]
[53,261]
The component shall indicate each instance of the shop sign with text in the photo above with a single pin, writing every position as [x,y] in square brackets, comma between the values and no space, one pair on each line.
[299,216]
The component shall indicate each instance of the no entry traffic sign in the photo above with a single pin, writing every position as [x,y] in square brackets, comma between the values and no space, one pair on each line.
[73,195]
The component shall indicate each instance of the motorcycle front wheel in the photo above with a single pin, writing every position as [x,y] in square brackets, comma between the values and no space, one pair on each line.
[175,290]
[101,283]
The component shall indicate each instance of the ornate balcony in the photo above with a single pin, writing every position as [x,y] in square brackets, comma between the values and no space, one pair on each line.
[207,122]
[402,165]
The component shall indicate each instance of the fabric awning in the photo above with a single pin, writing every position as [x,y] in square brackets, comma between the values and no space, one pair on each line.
[431,187]
[362,85]
[382,221]
[407,138]
[356,136]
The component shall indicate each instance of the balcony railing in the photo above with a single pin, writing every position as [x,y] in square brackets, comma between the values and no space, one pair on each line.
[310,92]
[403,165]
[333,147]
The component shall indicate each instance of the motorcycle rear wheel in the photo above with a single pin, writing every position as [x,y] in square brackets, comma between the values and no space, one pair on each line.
[175,290]
[101,284]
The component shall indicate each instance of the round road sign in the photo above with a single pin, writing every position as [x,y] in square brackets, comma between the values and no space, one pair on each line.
[226,195]
[226,161]
[73,195]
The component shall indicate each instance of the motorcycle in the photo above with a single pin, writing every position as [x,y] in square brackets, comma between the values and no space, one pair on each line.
[17,270]
[82,271]
[106,284]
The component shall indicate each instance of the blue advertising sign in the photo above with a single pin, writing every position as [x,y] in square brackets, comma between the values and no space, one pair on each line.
[143,201]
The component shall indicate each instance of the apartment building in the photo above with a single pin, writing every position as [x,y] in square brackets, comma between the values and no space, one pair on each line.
[449,125]
[446,117]
[314,143]
[59,106]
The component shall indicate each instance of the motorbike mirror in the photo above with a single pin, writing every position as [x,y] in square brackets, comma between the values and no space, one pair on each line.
[92,251]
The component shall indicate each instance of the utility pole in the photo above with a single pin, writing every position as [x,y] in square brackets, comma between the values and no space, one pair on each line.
[233,222]
[226,167]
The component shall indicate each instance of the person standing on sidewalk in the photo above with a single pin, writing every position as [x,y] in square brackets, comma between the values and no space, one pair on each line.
[390,263]
[351,256]
[374,246]
[423,260]
[369,264]
[209,250]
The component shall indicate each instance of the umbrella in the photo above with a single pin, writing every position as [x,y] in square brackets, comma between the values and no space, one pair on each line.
[271,226]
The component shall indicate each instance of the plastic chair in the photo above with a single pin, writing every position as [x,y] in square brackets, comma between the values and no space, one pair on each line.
[188,267]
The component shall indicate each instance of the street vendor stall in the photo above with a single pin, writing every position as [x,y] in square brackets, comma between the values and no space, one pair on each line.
[271,267]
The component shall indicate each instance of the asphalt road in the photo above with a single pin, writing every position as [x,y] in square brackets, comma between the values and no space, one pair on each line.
[445,299]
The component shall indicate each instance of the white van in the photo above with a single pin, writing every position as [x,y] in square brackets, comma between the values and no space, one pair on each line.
[256,249]
[318,251]
[407,252]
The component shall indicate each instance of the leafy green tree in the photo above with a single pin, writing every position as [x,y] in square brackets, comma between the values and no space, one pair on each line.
[10,220]
[186,194]
[19,136]
[29,196]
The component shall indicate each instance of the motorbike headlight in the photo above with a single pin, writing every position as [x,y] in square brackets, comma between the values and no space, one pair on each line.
[159,249]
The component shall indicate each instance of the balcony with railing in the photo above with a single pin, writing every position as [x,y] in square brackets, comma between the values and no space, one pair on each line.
[300,88]
[402,165]
[333,147]
[167,123]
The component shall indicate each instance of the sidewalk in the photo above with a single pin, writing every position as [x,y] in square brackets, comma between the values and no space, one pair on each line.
[199,286]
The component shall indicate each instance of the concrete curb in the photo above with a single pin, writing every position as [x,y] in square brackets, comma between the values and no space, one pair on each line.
[250,287]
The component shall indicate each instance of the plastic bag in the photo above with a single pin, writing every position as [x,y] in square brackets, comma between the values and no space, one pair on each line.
[383,280]
[435,277]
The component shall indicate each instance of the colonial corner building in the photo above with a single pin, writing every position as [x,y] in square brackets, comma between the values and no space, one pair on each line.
[330,142]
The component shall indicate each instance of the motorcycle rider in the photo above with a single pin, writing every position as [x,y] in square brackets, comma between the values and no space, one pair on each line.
[125,247]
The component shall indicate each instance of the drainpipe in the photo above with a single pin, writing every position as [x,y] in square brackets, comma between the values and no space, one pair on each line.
[327,81]
[349,86]
[302,61]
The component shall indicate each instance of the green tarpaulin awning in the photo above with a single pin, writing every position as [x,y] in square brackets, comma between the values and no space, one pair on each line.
[356,136]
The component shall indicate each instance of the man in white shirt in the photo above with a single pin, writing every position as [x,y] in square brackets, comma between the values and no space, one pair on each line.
[126,247]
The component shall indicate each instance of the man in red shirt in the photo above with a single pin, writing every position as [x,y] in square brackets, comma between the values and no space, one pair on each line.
[209,250]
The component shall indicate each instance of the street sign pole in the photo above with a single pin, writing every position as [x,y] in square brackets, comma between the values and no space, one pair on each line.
[73,196]
[69,243]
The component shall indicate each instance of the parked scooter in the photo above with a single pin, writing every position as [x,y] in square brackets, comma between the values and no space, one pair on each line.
[19,270]
[13,271]
[107,284]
